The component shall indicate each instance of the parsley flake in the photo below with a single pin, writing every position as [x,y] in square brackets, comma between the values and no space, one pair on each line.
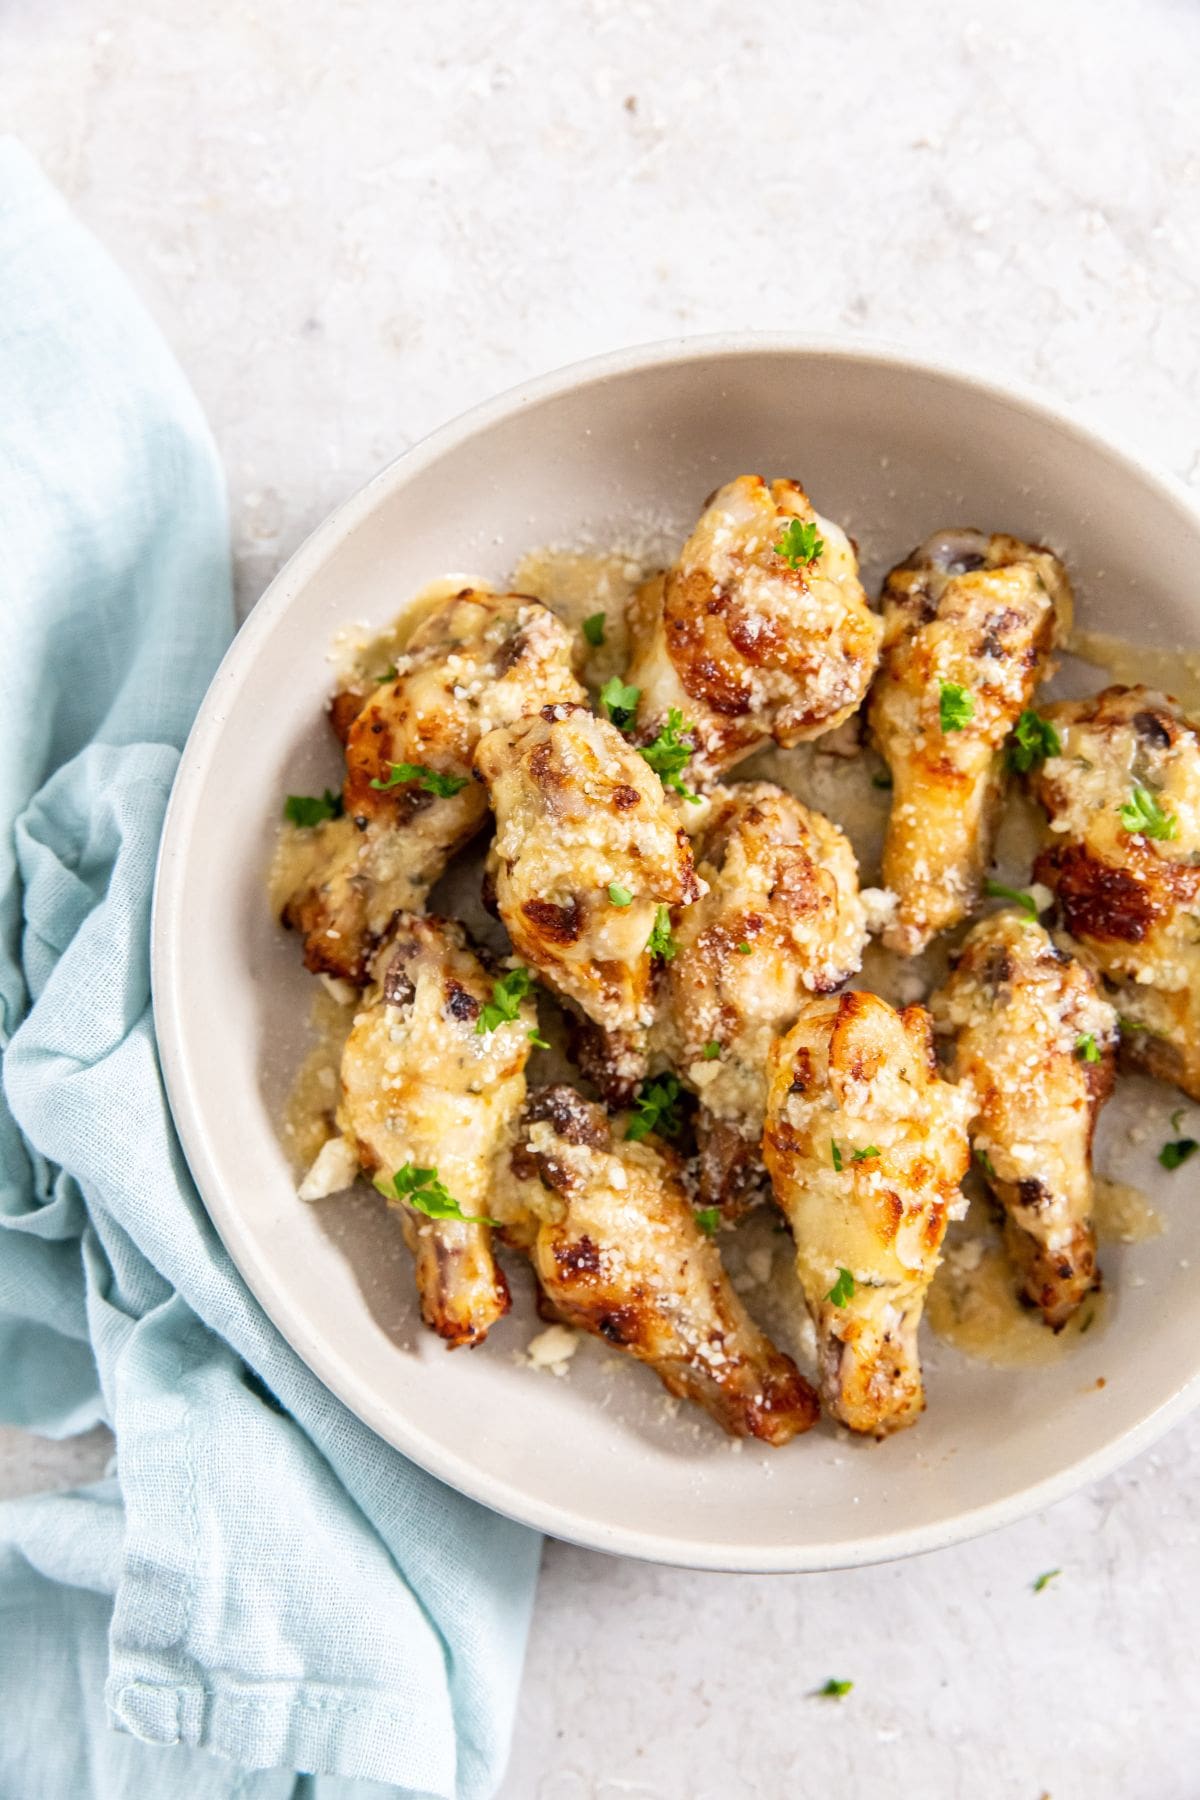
[1087,1049]
[537,1040]
[668,753]
[593,630]
[505,1003]
[986,1164]
[863,1155]
[1033,740]
[620,896]
[836,1155]
[955,706]
[842,1289]
[312,809]
[660,942]
[744,949]
[711,1051]
[799,543]
[834,1689]
[389,674]
[883,780]
[1177,1151]
[1177,1117]
[432,780]
[1045,1580]
[996,890]
[1142,816]
[423,1190]
[708,1218]
[620,702]
[656,1109]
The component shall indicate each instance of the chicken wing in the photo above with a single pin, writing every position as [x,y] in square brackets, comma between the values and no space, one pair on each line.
[587,860]
[479,661]
[969,623]
[1036,1039]
[781,919]
[617,1251]
[761,629]
[1123,858]
[428,1090]
[865,1146]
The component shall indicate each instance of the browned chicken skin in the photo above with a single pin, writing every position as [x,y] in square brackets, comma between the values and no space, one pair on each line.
[1036,1040]
[745,644]
[1122,855]
[969,623]
[586,859]
[866,1147]
[781,919]
[614,1242]
[479,661]
[423,1087]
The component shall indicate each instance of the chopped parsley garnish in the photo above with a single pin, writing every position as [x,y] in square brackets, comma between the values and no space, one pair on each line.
[799,543]
[312,809]
[432,780]
[620,896]
[1177,1151]
[744,949]
[836,1155]
[660,942]
[863,1155]
[656,1109]
[996,890]
[1087,1049]
[955,706]
[834,1689]
[1033,740]
[620,702]
[1045,1580]
[1176,1118]
[668,754]
[389,674]
[985,1163]
[1142,816]
[711,1051]
[882,781]
[842,1289]
[1130,1027]
[593,630]
[537,1040]
[505,1003]
[708,1218]
[423,1190]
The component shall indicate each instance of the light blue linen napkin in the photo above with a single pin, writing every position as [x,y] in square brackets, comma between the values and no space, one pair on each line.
[275,1584]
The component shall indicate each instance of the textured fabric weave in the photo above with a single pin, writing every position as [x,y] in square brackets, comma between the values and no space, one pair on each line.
[262,1578]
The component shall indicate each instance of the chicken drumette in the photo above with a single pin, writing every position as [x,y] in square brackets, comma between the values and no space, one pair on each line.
[1123,858]
[587,860]
[969,623]
[866,1147]
[617,1252]
[781,919]
[479,661]
[761,628]
[428,1091]
[1035,1039]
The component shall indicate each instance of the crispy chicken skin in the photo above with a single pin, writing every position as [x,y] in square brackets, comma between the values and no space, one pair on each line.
[617,1253]
[977,614]
[1131,900]
[781,919]
[1036,1040]
[586,853]
[480,660]
[422,1085]
[744,645]
[866,1147]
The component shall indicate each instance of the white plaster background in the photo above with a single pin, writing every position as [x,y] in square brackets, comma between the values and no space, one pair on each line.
[352,219]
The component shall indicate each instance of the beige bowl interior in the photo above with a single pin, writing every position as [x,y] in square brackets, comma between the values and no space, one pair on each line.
[624,452]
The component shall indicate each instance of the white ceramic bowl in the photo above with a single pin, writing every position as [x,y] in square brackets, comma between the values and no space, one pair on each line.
[620,448]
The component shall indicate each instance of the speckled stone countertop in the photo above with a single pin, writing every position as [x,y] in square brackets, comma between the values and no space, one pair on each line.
[352,220]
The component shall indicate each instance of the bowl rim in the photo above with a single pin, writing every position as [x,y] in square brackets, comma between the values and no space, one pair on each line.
[340,524]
